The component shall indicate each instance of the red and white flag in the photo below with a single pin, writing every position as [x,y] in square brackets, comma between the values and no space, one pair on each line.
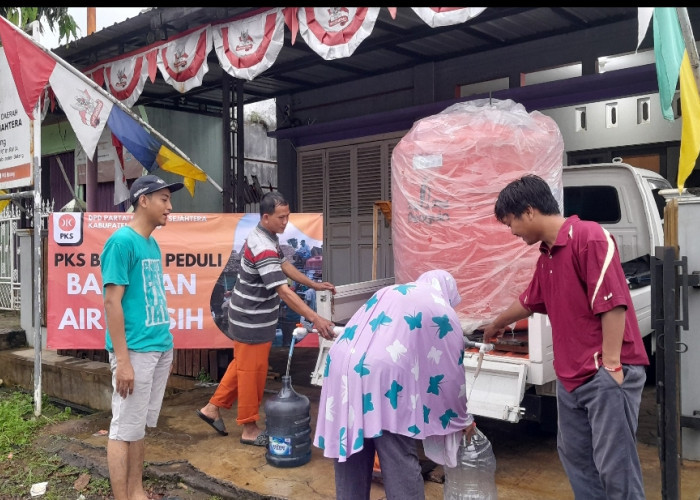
[30,79]
[32,69]
[335,32]
[126,78]
[446,16]
[183,61]
[248,47]
[86,109]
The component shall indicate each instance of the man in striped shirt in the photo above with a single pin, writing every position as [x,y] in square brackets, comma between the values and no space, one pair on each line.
[252,320]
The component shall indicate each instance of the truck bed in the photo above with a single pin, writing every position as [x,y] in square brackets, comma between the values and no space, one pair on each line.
[495,381]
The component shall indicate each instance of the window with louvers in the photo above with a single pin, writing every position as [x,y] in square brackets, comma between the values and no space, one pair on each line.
[311,179]
[346,181]
[369,177]
[339,182]
[390,151]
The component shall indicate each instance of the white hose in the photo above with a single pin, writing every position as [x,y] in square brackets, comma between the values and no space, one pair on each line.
[300,331]
[483,349]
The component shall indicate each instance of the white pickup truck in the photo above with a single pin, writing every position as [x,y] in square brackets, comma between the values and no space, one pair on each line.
[509,387]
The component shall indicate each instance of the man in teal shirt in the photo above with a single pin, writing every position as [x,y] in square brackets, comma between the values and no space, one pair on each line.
[138,334]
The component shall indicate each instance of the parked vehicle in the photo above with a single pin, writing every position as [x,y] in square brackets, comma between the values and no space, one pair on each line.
[519,384]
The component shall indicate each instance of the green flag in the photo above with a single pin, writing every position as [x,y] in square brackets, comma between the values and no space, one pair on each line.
[668,50]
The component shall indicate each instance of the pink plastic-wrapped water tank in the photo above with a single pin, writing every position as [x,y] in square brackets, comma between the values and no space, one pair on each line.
[446,173]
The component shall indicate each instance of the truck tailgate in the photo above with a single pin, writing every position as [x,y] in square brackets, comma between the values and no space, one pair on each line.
[496,388]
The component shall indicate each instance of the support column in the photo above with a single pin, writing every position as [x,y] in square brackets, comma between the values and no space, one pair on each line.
[91,165]
[229,180]
[91,184]
[240,150]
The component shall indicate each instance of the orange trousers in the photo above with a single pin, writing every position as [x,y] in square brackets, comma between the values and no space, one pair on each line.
[244,381]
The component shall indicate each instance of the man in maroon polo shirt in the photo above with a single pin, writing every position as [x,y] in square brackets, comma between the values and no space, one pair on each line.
[599,355]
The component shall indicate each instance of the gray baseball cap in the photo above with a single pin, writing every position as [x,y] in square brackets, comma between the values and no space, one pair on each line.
[150,184]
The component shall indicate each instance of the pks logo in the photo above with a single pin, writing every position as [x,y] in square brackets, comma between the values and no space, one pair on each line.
[68,229]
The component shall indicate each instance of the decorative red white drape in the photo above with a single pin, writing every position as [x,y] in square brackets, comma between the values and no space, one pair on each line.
[446,16]
[335,32]
[247,47]
[126,78]
[183,61]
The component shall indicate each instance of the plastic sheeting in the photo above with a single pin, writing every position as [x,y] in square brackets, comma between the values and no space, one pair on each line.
[446,174]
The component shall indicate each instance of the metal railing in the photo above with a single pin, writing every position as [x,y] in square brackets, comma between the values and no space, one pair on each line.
[9,250]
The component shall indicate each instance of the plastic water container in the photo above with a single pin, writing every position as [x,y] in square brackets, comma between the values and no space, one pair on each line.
[288,423]
[474,477]
[279,338]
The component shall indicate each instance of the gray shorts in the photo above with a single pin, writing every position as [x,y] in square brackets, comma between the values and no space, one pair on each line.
[131,415]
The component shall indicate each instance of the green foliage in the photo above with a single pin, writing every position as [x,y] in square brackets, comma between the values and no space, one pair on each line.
[203,376]
[29,466]
[24,463]
[20,464]
[256,117]
[17,420]
[54,17]
[100,486]
[14,428]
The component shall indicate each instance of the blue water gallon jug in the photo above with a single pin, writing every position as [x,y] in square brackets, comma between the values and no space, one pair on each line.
[288,425]
[279,338]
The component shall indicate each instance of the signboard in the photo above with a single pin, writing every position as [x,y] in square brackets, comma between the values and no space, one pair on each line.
[15,133]
[201,252]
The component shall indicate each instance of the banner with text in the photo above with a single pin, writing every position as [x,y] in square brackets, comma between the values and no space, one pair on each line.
[15,132]
[201,255]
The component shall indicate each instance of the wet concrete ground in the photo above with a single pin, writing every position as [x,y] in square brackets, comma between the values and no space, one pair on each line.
[528,467]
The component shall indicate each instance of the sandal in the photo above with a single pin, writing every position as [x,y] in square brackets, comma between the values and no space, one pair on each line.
[217,425]
[260,440]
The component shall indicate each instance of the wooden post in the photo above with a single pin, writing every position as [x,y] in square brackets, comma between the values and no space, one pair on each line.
[385,207]
[91,183]
[91,164]
[91,20]
[374,241]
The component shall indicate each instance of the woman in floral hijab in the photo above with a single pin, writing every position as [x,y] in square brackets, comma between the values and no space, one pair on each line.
[393,377]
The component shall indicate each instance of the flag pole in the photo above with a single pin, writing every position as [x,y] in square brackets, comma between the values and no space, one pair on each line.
[689,41]
[113,99]
[37,223]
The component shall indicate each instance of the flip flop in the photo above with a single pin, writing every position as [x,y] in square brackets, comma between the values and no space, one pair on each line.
[217,425]
[260,440]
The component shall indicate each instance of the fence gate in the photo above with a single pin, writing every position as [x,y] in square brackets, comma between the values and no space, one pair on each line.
[9,251]
[9,258]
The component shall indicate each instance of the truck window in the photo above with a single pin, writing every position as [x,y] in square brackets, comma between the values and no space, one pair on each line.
[657,185]
[595,203]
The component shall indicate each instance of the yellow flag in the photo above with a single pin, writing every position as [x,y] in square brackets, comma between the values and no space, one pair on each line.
[3,203]
[690,110]
[172,162]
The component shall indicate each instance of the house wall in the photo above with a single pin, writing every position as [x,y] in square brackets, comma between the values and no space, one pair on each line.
[438,81]
[198,136]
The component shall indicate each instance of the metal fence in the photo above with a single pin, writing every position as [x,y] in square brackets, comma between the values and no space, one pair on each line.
[9,250]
